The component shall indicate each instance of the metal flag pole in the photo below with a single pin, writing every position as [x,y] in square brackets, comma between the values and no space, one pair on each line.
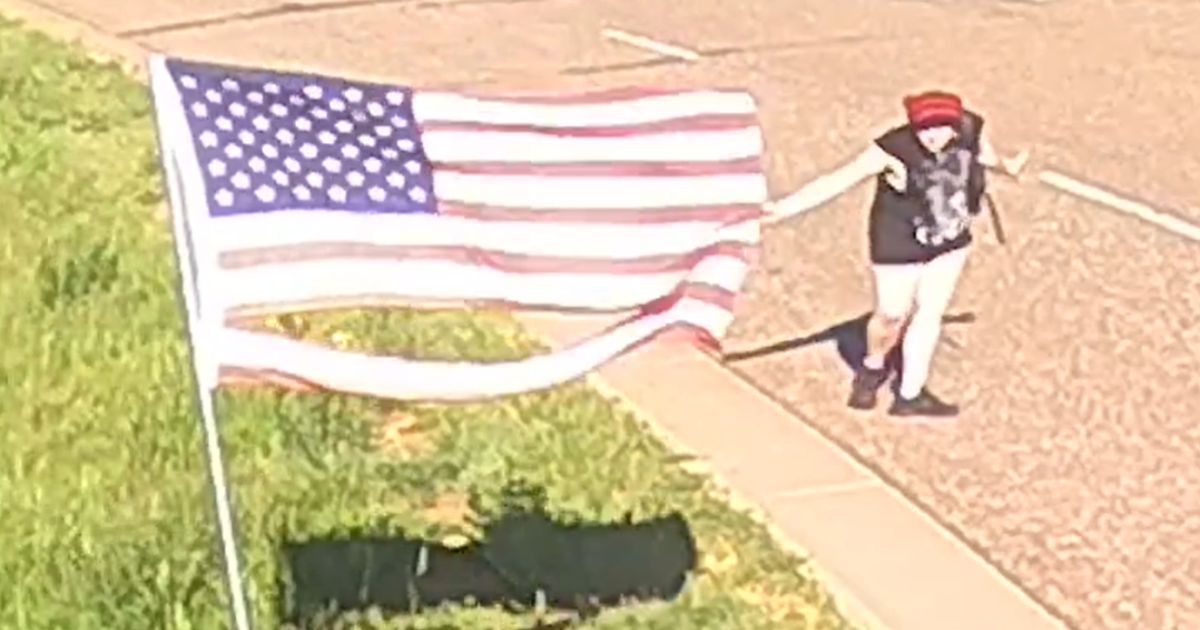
[187,267]
[993,210]
[236,588]
[995,214]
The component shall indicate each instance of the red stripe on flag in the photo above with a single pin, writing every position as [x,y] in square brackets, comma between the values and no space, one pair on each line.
[679,332]
[503,261]
[591,97]
[243,316]
[686,334]
[712,294]
[742,166]
[233,376]
[238,316]
[726,214]
[683,124]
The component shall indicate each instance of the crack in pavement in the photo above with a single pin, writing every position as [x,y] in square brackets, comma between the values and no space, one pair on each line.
[725,51]
[288,9]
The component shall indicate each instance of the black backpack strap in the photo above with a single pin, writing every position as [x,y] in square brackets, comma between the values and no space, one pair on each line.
[977,178]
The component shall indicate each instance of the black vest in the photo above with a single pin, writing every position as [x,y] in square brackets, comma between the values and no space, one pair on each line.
[942,195]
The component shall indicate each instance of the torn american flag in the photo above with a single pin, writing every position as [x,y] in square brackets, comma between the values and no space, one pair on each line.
[294,192]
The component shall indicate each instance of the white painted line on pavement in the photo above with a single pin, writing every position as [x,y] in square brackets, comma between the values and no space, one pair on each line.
[871,483]
[1121,204]
[645,43]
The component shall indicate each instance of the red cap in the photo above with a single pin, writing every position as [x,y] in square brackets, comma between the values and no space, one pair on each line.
[930,109]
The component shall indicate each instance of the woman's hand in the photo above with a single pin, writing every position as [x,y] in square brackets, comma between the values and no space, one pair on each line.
[772,213]
[1015,164]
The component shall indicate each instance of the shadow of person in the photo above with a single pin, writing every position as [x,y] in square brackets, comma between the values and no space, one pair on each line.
[524,559]
[850,337]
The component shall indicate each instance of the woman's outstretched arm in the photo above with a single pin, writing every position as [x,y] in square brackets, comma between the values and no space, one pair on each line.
[871,162]
[990,159]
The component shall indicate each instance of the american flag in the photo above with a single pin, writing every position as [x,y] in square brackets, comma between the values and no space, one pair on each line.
[295,192]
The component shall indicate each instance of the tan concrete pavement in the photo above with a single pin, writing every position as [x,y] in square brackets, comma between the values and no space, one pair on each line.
[893,564]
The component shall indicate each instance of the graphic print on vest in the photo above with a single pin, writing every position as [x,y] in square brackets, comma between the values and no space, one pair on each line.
[942,184]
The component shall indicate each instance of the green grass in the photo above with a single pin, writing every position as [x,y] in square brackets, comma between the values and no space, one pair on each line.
[105,518]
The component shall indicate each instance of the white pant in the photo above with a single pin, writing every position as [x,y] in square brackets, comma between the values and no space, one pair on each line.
[902,290]
[922,292]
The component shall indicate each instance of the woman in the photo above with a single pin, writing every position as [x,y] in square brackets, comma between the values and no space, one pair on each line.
[930,184]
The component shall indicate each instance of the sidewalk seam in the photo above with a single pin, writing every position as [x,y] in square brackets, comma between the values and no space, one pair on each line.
[848,487]
[849,605]
[96,42]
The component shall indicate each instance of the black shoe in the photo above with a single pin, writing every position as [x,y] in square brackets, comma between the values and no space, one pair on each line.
[925,404]
[865,387]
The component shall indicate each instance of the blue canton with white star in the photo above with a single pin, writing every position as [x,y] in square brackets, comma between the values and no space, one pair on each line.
[273,141]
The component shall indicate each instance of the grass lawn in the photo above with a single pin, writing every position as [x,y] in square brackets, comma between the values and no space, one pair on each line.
[104,513]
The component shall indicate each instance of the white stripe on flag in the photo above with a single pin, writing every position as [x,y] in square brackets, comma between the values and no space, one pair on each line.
[439,280]
[517,147]
[597,241]
[449,107]
[403,379]
[599,192]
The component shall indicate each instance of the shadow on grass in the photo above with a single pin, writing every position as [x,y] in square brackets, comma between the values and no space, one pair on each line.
[850,336]
[525,559]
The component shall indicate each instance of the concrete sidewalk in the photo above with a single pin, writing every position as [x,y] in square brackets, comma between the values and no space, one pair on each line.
[889,564]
